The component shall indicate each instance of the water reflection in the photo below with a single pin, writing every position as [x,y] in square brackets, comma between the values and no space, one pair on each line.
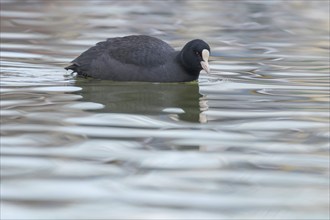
[250,141]
[180,99]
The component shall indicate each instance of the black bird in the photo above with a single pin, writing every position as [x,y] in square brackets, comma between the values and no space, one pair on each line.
[142,58]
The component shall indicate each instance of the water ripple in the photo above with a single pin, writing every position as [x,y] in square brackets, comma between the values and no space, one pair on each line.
[237,144]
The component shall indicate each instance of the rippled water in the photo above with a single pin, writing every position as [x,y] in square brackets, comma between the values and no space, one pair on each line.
[249,141]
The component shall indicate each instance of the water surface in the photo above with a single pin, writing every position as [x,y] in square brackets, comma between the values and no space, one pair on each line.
[248,141]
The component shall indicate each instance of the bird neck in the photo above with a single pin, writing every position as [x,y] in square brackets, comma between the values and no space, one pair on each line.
[182,61]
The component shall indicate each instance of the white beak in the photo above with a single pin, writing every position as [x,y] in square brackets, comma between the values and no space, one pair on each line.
[205,64]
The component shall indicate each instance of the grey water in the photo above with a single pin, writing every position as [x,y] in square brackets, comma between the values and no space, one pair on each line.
[248,141]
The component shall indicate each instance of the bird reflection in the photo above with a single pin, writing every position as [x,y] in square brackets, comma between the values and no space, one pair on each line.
[143,98]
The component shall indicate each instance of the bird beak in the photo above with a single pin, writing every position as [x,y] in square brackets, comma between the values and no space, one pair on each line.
[205,64]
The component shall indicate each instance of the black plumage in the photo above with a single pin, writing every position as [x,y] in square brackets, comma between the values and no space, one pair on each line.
[141,58]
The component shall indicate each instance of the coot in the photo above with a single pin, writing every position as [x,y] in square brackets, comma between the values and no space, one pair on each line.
[142,58]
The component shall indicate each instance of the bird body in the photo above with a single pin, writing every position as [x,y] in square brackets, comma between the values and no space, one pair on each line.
[139,58]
